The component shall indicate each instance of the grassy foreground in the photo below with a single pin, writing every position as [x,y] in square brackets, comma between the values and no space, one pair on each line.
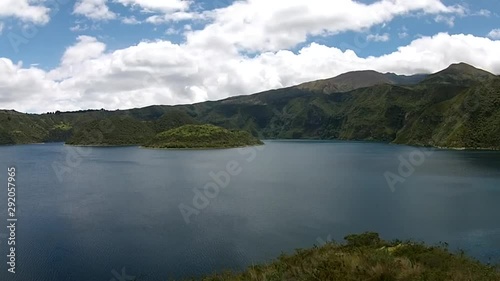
[366,257]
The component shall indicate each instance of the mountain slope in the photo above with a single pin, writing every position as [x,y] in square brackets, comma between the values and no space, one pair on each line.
[113,131]
[471,119]
[173,119]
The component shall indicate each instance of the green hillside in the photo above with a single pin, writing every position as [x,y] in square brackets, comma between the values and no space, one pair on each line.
[114,131]
[202,136]
[456,107]
[173,119]
[470,119]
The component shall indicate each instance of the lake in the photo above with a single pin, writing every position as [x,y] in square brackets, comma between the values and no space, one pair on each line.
[93,214]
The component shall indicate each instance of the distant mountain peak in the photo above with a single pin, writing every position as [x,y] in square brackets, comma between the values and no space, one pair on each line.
[356,72]
[462,66]
[359,79]
[459,73]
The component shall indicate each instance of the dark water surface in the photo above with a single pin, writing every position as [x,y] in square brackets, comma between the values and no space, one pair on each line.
[111,209]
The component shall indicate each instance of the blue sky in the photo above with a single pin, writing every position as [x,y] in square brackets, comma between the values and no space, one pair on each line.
[51,40]
[57,45]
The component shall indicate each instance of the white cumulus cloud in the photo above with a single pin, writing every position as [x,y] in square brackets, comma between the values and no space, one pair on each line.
[94,9]
[262,25]
[86,48]
[494,34]
[25,10]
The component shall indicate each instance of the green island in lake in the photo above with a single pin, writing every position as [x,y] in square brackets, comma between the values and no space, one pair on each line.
[202,136]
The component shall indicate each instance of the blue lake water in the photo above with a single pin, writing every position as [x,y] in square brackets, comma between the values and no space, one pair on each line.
[90,213]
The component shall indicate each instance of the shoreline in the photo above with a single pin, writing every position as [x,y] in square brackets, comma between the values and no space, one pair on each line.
[284,140]
[201,148]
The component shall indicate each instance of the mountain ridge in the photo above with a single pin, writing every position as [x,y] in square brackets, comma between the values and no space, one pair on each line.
[354,80]
[462,73]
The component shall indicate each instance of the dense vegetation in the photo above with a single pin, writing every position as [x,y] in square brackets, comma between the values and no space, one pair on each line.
[112,131]
[457,107]
[202,136]
[5,138]
[173,119]
[367,257]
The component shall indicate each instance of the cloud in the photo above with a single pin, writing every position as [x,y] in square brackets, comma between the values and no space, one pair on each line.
[25,10]
[483,13]
[130,20]
[27,89]
[378,37]
[177,16]
[163,11]
[94,9]
[172,31]
[79,27]
[448,20]
[87,48]
[403,33]
[162,72]
[261,25]
[163,6]
[494,34]
[429,54]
